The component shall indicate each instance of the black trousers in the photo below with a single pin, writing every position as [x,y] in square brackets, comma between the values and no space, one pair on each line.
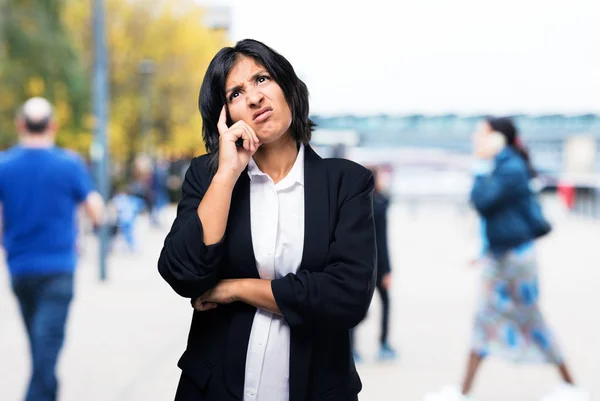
[385,315]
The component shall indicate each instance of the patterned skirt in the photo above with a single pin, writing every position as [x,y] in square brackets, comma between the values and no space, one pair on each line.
[508,322]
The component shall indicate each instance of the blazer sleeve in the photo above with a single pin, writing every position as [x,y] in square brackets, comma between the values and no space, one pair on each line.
[340,295]
[185,262]
[490,193]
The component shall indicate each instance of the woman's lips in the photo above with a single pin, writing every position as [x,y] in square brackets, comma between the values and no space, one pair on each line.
[263,116]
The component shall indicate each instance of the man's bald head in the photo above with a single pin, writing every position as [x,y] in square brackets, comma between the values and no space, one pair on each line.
[37,115]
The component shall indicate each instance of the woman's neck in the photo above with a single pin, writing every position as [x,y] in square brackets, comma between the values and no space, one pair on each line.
[277,159]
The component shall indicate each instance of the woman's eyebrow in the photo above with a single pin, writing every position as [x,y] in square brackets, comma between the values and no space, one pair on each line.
[258,74]
[233,89]
[254,77]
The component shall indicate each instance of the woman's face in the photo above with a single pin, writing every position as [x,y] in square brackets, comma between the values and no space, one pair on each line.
[481,132]
[486,142]
[483,128]
[255,98]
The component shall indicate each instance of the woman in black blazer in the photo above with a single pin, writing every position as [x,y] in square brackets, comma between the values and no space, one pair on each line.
[274,246]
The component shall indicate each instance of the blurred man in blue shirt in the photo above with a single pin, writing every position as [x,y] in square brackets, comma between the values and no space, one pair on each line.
[41,187]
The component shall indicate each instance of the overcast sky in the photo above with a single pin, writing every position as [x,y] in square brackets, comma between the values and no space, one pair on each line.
[434,56]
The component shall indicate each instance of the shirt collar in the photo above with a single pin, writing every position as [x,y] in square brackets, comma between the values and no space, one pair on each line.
[253,169]
[295,175]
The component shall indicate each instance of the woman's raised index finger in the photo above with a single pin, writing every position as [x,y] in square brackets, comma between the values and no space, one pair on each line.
[222,124]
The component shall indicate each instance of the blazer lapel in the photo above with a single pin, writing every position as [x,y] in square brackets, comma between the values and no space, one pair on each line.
[316,212]
[242,263]
[314,255]
[239,232]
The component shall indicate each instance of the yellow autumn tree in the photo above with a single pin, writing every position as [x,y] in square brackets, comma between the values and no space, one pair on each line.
[170,34]
[37,58]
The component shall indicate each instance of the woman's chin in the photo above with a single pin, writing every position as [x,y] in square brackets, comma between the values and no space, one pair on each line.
[268,138]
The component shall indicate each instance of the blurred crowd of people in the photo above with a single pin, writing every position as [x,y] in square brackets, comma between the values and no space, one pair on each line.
[153,183]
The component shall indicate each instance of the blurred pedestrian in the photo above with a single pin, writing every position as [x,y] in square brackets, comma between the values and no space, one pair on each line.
[41,187]
[125,208]
[160,198]
[381,204]
[142,185]
[508,322]
[274,246]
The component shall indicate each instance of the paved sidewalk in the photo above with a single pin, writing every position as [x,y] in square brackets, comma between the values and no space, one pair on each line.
[125,335]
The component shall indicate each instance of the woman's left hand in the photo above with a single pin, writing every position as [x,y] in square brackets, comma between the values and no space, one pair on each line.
[225,292]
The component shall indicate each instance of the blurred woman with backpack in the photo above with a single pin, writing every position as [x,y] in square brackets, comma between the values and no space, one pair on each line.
[508,322]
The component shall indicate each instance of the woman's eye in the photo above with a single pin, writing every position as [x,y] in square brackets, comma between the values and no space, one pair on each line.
[262,78]
[233,95]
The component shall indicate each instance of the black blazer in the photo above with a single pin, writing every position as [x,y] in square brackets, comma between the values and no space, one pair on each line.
[329,294]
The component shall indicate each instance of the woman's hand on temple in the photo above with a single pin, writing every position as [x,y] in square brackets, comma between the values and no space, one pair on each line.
[233,159]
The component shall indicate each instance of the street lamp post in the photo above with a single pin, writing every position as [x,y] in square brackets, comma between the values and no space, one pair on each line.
[146,70]
[99,150]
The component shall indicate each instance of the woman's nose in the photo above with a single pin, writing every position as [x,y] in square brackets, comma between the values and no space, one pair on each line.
[254,97]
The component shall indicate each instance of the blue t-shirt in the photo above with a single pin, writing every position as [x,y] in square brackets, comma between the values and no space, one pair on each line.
[40,189]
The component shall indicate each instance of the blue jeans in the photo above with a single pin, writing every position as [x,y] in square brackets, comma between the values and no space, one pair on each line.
[44,302]
[128,229]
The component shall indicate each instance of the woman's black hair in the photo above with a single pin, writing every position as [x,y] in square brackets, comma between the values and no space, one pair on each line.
[507,128]
[212,93]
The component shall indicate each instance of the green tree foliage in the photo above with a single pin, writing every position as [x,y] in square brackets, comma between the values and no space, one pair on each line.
[46,49]
[37,58]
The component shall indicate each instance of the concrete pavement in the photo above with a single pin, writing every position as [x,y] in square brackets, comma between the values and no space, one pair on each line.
[125,335]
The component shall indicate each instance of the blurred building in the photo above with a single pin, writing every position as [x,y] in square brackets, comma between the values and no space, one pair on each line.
[545,135]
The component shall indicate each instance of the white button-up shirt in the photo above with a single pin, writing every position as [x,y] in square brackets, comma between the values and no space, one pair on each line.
[277,224]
